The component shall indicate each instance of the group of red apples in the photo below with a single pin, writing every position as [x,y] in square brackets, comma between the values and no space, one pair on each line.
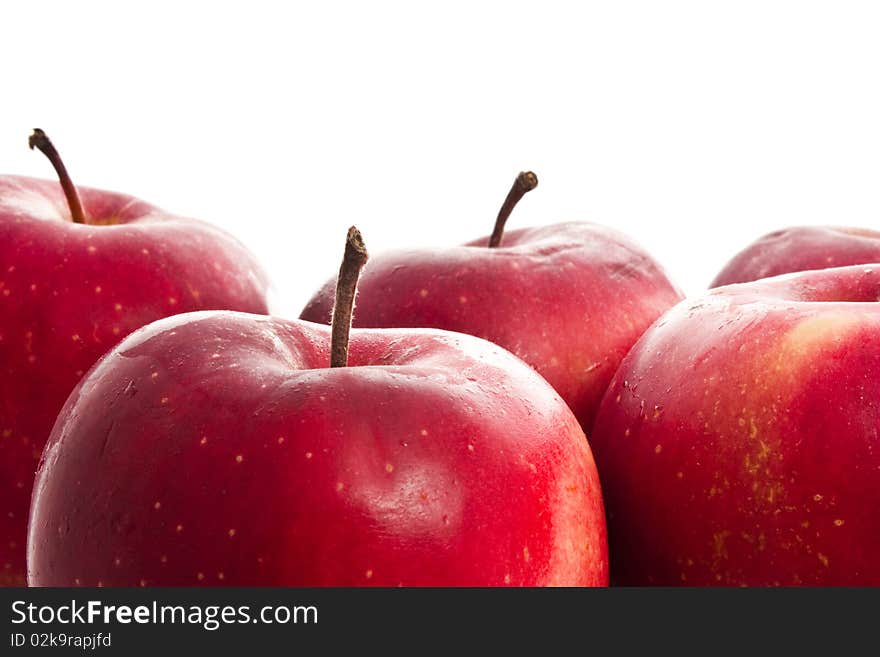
[159,427]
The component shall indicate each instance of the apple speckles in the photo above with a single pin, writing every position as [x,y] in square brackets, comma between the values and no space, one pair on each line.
[231,533]
[471,448]
[817,497]
[339,486]
[157,505]
[823,559]
[679,475]
[143,583]
[423,293]
[221,576]
[172,301]
[838,522]
[7,433]
[31,359]
[280,440]
[91,249]
[116,330]
[75,337]
[309,456]
[98,289]
[117,307]
[33,287]
[164,401]
[179,529]
[163,558]
[154,375]
[145,252]
[462,299]
[200,576]
[369,573]
[753,428]
[389,468]
[239,458]
[423,432]
[507,578]
[719,544]
[658,448]
[203,441]
[117,562]
[525,554]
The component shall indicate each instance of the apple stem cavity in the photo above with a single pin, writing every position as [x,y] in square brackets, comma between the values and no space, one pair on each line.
[41,141]
[353,261]
[525,182]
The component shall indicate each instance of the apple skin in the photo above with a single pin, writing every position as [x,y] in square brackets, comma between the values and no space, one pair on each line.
[69,292]
[219,449]
[801,248]
[737,444]
[569,299]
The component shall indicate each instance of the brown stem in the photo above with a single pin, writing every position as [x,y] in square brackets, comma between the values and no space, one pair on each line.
[525,182]
[41,141]
[346,288]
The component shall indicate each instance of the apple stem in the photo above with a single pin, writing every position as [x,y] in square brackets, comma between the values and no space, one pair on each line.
[353,261]
[41,141]
[525,182]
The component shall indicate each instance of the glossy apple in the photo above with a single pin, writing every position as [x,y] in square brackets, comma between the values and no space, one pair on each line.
[220,449]
[799,249]
[71,290]
[569,299]
[738,442]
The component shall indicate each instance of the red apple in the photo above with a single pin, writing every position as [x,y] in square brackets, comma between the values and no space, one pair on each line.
[73,282]
[738,442]
[569,299]
[220,449]
[799,249]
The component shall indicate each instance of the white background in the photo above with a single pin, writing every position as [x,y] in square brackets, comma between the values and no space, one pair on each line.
[693,126]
